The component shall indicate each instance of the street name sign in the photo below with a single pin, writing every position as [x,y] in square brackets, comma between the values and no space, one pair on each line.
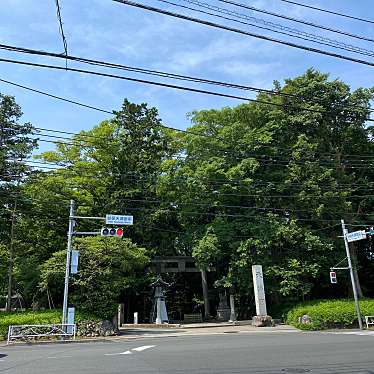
[356,235]
[115,219]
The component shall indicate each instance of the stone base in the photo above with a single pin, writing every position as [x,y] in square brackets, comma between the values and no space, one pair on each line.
[223,314]
[262,321]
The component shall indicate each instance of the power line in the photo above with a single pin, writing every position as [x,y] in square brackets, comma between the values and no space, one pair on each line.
[241,5]
[270,26]
[160,74]
[64,42]
[166,85]
[328,11]
[153,177]
[55,97]
[267,160]
[239,31]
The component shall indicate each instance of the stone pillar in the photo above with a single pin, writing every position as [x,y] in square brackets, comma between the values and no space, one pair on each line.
[261,318]
[232,308]
[204,284]
[121,314]
[158,306]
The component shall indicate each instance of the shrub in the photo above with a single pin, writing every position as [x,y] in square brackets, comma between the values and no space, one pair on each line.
[326,314]
[36,318]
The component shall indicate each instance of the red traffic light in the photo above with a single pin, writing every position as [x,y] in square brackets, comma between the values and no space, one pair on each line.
[111,231]
[333,277]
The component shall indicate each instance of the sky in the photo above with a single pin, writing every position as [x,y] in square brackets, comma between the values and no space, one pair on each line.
[113,32]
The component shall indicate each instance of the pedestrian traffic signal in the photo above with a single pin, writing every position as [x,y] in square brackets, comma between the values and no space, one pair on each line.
[333,277]
[111,231]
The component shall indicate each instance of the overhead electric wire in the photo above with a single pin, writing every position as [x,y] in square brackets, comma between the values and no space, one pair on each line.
[335,13]
[270,26]
[271,161]
[123,67]
[161,74]
[308,23]
[64,42]
[167,85]
[55,96]
[239,31]
[183,179]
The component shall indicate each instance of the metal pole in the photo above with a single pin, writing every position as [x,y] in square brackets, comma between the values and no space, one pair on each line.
[353,280]
[68,256]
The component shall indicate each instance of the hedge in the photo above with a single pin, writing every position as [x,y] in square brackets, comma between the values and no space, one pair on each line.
[36,318]
[325,314]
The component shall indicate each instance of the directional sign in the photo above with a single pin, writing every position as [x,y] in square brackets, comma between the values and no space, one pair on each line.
[115,219]
[356,235]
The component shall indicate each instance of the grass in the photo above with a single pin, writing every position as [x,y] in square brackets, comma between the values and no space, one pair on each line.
[327,314]
[36,318]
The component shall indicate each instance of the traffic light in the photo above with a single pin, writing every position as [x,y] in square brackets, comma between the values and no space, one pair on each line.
[112,231]
[333,277]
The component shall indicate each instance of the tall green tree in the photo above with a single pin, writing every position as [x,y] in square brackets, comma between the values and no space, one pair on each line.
[16,144]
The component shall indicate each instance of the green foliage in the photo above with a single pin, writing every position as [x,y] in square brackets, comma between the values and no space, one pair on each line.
[107,267]
[37,318]
[206,250]
[262,185]
[329,314]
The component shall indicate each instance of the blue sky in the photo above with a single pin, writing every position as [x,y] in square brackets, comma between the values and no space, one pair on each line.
[105,30]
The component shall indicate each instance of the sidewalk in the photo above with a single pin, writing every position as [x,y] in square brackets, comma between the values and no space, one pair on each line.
[129,332]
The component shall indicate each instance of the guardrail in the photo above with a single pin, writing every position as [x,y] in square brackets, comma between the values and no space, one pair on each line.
[40,331]
[369,321]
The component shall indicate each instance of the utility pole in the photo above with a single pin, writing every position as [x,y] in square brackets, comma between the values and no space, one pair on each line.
[11,259]
[68,257]
[353,280]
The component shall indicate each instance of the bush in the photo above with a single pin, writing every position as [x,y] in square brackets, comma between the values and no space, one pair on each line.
[327,314]
[36,318]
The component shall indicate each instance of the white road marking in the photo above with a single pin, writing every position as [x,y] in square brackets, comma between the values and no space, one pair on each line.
[59,356]
[360,333]
[116,354]
[142,348]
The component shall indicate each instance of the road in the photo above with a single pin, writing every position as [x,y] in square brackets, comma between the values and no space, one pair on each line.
[262,352]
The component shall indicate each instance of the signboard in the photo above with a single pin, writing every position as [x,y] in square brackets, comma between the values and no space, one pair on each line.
[115,219]
[74,262]
[258,285]
[71,315]
[356,235]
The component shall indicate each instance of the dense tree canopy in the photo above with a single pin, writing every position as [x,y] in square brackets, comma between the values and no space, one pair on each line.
[253,184]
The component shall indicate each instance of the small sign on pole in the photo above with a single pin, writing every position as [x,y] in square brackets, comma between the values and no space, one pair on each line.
[115,219]
[71,317]
[74,262]
[356,235]
[333,277]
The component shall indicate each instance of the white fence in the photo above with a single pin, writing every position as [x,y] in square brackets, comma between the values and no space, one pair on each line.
[27,332]
[369,321]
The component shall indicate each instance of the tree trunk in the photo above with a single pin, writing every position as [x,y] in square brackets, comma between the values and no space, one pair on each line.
[11,262]
[204,284]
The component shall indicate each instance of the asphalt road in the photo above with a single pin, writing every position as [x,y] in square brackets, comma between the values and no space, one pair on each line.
[263,352]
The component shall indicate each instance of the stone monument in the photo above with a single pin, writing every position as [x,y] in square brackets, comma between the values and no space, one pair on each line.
[223,310]
[261,318]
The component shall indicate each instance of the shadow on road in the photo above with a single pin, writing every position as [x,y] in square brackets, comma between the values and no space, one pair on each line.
[124,332]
